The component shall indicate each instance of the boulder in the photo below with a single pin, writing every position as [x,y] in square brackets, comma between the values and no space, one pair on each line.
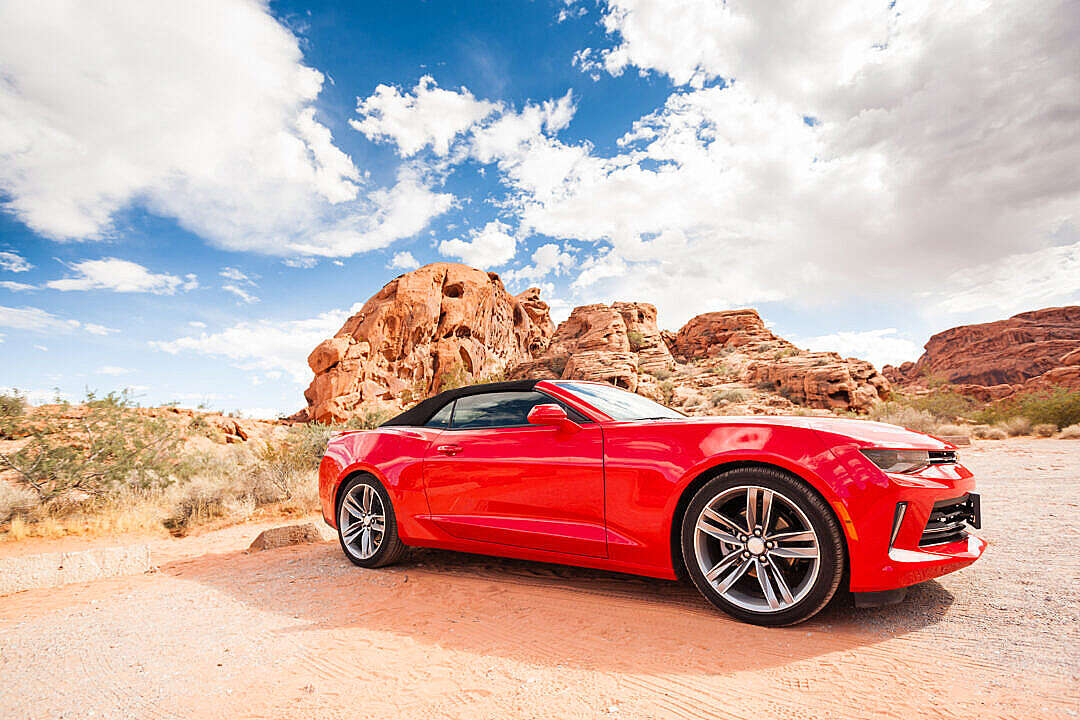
[286,535]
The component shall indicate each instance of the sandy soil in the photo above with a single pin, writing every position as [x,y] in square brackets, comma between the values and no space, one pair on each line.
[300,632]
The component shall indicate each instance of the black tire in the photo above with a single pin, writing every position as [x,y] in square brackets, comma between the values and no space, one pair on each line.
[796,505]
[389,547]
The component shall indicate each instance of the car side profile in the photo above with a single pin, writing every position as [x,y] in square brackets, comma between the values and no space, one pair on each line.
[766,515]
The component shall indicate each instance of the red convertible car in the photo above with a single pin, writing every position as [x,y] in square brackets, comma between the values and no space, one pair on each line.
[767,515]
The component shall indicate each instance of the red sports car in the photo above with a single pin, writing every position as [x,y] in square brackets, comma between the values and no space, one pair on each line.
[767,515]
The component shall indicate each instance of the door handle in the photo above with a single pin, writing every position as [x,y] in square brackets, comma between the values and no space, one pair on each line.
[448,449]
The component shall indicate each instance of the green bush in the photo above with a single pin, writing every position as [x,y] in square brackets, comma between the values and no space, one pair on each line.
[110,445]
[948,405]
[1059,407]
[13,405]
[637,340]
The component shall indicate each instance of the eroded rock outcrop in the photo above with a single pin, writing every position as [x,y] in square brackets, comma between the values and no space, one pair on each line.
[609,343]
[438,323]
[710,334]
[449,323]
[814,379]
[1031,351]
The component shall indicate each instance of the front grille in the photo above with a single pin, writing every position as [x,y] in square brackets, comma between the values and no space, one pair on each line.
[948,518]
[942,457]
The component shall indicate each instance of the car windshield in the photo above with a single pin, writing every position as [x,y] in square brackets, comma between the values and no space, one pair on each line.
[619,404]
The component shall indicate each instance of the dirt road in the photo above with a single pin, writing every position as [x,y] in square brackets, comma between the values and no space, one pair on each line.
[299,632]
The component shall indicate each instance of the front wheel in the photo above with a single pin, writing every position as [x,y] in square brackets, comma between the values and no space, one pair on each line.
[367,526]
[762,546]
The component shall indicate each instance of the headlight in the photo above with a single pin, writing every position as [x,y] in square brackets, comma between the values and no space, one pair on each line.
[898,461]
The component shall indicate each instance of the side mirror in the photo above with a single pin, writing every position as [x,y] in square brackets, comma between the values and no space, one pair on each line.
[549,414]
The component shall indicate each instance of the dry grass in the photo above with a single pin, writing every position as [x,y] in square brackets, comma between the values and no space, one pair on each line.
[1015,426]
[986,432]
[225,485]
[1044,430]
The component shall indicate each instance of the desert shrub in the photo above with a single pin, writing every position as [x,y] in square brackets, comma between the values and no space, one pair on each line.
[785,353]
[207,498]
[953,430]
[661,373]
[13,405]
[986,432]
[1016,426]
[1059,407]
[948,405]
[108,446]
[452,377]
[896,413]
[767,386]
[667,392]
[1044,430]
[732,395]
[1071,432]
[16,502]
[636,339]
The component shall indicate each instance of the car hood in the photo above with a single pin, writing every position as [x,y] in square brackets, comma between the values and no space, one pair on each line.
[863,432]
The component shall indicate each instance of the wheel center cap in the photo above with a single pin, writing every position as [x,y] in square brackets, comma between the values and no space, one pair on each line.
[755,545]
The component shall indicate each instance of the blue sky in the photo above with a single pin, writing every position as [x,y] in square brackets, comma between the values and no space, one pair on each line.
[194,194]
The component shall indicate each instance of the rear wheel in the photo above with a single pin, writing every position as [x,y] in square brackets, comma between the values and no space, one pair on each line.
[762,546]
[367,527]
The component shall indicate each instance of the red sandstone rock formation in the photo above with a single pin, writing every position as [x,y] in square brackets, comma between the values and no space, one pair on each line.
[1030,351]
[451,322]
[441,321]
[609,343]
[709,334]
[818,380]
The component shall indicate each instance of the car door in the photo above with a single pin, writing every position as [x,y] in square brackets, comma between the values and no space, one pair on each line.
[493,477]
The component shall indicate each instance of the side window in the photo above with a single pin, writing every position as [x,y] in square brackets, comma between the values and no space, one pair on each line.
[441,419]
[502,409]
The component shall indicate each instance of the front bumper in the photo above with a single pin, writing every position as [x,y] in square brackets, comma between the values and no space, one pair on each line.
[887,551]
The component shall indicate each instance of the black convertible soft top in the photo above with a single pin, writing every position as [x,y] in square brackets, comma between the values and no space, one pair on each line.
[422,411]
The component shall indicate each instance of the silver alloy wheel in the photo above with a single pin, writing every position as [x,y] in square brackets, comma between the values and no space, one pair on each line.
[756,548]
[362,521]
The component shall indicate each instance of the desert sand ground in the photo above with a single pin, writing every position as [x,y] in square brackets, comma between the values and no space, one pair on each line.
[300,632]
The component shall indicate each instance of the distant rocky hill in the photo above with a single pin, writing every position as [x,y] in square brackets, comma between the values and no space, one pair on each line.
[447,324]
[1031,351]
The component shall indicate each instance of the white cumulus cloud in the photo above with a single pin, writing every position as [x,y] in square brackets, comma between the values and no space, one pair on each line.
[490,247]
[202,111]
[121,276]
[428,115]
[265,345]
[403,261]
[886,346]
